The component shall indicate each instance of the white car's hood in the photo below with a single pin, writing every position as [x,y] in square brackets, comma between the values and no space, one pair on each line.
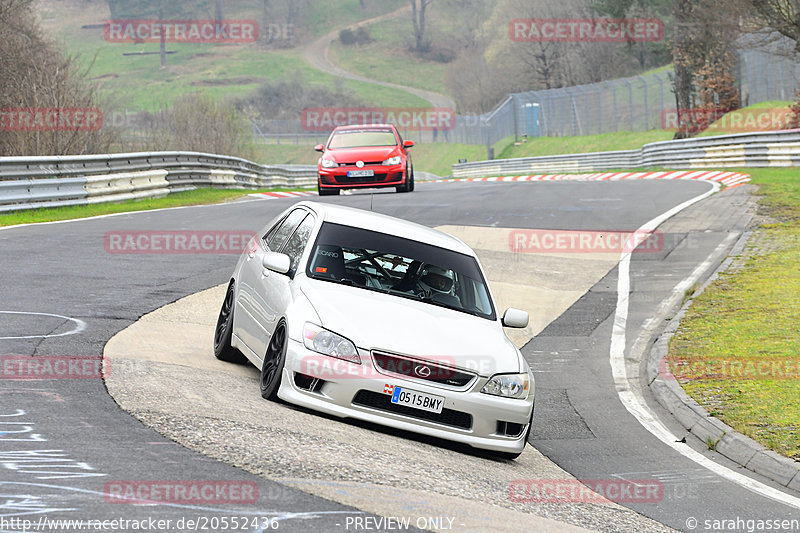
[375,321]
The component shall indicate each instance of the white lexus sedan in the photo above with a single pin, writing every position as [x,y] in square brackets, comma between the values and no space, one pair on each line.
[362,315]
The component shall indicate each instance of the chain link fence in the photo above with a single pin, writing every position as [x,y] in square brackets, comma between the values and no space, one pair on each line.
[768,70]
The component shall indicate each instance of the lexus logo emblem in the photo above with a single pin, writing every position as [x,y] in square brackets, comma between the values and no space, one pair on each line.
[422,371]
[360,164]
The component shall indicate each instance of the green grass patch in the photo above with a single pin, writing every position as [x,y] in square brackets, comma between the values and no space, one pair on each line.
[286,154]
[439,158]
[323,16]
[388,58]
[623,140]
[747,317]
[138,83]
[201,196]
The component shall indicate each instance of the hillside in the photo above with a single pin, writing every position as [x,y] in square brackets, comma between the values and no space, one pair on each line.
[136,82]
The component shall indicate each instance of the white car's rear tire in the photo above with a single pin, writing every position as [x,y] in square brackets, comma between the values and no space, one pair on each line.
[224,331]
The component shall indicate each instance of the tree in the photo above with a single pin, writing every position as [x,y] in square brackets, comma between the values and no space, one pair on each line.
[34,76]
[682,64]
[647,54]
[704,59]
[265,36]
[418,8]
[782,16]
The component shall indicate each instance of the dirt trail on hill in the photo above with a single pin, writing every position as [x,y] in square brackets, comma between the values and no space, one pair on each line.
[316,53]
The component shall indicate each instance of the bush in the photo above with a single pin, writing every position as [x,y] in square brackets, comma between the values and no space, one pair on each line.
[197,123]
[349,37]
[285,100]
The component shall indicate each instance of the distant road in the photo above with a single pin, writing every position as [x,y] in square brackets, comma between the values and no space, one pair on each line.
[316,53]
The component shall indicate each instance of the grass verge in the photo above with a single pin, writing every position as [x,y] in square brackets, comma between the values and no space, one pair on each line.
[737,351]
[623,140]
[201,196]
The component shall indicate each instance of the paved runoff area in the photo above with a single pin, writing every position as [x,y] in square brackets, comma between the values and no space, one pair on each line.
[167,355]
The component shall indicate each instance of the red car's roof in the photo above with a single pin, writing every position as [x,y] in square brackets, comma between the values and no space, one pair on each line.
[364,127]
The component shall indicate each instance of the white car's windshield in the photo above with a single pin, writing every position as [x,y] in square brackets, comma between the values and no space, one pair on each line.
[358,138]
[402,267]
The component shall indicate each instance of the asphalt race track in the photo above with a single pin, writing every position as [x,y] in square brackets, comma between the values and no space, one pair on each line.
[63,294]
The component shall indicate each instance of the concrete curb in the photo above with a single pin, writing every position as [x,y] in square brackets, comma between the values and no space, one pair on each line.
[716,434]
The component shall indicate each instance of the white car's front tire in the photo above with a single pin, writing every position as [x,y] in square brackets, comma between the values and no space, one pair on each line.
[274,361]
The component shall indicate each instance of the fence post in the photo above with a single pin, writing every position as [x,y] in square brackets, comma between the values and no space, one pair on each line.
[661,92]
[630,102]
[599,104]
[646,105]
[515,110]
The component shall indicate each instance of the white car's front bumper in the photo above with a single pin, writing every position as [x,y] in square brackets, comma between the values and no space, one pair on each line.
[469,416]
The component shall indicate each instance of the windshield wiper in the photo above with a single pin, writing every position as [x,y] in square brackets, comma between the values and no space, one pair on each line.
[428,300]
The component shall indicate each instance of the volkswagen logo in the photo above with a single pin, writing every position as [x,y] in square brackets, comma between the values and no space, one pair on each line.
[422,371]
[360,164]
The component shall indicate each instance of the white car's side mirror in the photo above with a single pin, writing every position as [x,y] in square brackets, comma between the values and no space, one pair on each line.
[515,318]
[280,263]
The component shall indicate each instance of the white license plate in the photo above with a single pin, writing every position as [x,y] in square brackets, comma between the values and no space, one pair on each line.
[360,173]
[417,400]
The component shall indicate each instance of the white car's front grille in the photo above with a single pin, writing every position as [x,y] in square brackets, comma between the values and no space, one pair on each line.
[422,370]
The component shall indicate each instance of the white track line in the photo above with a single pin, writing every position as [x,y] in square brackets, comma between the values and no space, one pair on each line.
[80,325]
[636,405]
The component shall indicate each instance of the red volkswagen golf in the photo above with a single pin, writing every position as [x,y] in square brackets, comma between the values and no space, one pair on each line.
[370,155]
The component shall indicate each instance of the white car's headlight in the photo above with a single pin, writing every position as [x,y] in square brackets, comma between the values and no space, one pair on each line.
[327,342]
[392,161]
[508,385]
[329,163]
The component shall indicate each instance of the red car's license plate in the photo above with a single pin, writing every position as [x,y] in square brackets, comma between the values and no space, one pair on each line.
[366,173]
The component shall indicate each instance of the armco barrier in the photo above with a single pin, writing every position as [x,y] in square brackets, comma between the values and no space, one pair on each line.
[51,181]
[760,149]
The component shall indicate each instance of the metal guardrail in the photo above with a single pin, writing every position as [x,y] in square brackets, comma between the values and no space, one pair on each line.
[53,181]
[759,149]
